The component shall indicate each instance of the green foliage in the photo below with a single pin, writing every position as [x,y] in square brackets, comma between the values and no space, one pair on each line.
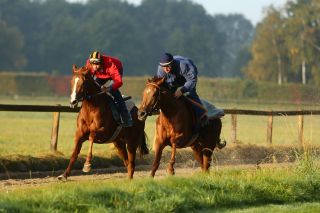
[286,44]
[138,35]
[213,89]
[11,46]
[250,89]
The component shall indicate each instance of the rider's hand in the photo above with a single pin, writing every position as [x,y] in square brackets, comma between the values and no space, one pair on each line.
[178,93]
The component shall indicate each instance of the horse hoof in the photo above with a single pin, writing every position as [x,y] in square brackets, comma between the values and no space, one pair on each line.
[170,172]
[222,144]
[86,168]
[62,177]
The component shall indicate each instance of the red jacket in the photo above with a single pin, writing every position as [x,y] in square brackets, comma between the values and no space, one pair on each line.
[111,69]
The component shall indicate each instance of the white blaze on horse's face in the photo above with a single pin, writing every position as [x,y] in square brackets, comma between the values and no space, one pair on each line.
[74,90]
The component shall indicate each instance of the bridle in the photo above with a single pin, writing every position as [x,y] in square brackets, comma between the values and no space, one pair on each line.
[155,108]
[84,95]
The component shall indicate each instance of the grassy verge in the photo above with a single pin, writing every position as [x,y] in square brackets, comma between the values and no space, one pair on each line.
[230,190]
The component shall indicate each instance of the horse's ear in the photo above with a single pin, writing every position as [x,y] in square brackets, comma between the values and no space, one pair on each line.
[86,71]
[74,68]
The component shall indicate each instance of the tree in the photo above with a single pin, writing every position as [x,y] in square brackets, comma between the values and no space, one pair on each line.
[11,48]
[268,49]
[238,33]
[303,36]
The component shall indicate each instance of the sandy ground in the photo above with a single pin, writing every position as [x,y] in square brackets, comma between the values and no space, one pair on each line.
[36,179]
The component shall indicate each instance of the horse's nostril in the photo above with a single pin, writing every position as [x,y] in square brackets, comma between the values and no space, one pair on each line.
[142,114]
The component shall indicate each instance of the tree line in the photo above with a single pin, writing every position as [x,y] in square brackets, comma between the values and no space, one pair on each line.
[51,35]
[286,46]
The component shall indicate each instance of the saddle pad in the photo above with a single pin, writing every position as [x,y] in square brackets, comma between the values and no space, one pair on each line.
[115,113]
[212,111]
[130,104]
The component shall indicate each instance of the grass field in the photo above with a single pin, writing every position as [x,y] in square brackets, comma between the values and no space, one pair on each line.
[287,189]
[28,133]
[277,189]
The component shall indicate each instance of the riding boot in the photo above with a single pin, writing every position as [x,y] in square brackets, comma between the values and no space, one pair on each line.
[124,113]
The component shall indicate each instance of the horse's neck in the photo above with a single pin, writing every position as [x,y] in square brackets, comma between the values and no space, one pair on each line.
[96,100]
[172,107]
[96,109]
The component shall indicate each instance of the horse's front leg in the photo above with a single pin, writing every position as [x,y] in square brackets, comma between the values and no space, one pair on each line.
[76,150]
[87,164]
[158,148]
[172,161]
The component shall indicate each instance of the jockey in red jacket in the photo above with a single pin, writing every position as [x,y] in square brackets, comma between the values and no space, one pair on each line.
[107,72]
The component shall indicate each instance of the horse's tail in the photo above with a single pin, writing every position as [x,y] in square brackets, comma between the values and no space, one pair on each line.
[143,147]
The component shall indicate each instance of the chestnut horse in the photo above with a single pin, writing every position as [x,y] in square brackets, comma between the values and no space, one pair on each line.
[175,124]
[95,123]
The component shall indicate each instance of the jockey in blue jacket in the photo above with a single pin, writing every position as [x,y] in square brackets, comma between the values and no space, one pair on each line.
[181,75]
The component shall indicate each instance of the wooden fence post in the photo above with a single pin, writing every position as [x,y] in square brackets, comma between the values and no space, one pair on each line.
[300,129]
[233,128]
[55,131]
[269,129]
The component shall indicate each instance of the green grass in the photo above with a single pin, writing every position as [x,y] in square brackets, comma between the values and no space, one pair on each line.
[229,190]
[29,133]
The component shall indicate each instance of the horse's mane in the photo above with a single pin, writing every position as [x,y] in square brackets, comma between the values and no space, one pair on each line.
[84,70]
[156,79]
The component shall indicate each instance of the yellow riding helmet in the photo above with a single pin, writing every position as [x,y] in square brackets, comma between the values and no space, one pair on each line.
[95,57]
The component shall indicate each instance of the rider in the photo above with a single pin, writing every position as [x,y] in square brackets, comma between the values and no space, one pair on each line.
[181,76]
[107,72]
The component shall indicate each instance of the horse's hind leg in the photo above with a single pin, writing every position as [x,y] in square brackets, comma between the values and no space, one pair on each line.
[122,151]
[87,164]
[131,161]
[207,154]
[197,153]
[172,161]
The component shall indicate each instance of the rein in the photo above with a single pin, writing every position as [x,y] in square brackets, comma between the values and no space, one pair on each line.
[86,96]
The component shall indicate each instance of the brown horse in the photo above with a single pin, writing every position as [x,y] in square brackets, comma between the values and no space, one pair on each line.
[95,123]
[175,124]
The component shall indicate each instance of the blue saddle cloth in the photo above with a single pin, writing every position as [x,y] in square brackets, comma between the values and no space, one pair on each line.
[212,111]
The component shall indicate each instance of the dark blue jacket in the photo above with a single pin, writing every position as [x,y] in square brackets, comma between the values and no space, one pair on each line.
[183,74]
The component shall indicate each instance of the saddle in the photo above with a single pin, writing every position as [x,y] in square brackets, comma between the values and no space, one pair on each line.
[212,113]
[115,109]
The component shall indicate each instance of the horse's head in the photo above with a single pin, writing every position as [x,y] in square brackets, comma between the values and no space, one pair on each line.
[79,84]
[150,98]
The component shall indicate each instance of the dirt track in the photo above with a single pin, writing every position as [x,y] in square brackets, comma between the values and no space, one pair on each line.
[105,174]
